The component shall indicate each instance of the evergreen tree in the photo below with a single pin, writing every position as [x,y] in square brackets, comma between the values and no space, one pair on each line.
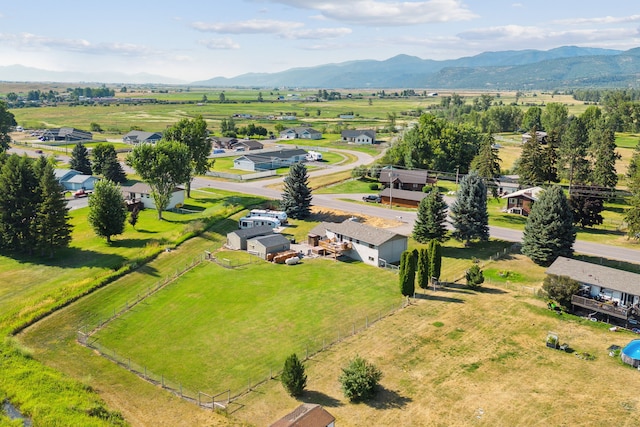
[423,275]
[435,258]
[531,166]
[474,277]
[359,379]
[80,159]
[19,199]
[107,210]
[113,171]
[549,231]
[296,197]
[7,121]
[604,156]
[431,218]
[469,211]
[293,377]
[101,154]
[532,117]
[550,159]
[52,218]
[634,164]
[407,273]
[487,162]
[572,153]
[133,216]
[632,218]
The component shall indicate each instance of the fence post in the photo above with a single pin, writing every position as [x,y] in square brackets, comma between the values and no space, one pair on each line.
[307,352]
[180,389]
[366,324]
[323,344]
[162,380]
[129,363]
[199,399]
[145,372]
[354,328]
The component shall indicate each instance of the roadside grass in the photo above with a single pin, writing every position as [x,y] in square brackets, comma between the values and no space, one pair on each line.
[470,358]
[350,186]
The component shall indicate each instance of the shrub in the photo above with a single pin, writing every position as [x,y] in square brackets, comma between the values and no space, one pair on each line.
[373,186]
[359,379]
[474,277]
[293,378]
[560,288]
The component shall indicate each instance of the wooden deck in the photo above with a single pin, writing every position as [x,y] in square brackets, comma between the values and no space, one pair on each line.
[601,307]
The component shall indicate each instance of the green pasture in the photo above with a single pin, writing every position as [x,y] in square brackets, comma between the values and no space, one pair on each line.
[627,140]
[32,285]
[222,327]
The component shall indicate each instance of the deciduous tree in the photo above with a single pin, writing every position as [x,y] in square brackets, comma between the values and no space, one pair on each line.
[549,231]
[163,166]
[192,133]
[296,197]
[7,121]
[560,288]
[107,210]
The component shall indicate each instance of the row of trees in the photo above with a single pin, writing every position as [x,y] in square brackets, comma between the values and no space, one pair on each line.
[103,161]
[420,265]
[33,212]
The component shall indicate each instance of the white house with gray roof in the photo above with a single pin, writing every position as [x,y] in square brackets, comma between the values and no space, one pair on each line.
[141,137]
[301,133]
[371,245]
[603,289]
[359,136]
[270,160]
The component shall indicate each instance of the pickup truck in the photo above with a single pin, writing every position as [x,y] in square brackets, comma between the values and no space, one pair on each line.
[81,193]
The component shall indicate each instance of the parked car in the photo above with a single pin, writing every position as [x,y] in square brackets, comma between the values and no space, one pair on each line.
[80,193]
[373,198]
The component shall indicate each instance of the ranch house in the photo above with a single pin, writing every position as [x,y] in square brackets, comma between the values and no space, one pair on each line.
[609,291]
[371,245]
[73,180]
[140,137]
[300,133]
[362,136]
[141,193]
[410,180]
[405,198]
[223,142]
[66,134]
[270,160]
[520,202]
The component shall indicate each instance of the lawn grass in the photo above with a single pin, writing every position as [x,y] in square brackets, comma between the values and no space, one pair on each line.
[223,328]
[627,140]
[350,186]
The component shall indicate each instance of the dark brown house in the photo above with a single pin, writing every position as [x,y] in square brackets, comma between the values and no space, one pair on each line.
[520,202]
[405,198]
[307,415]
[411,180]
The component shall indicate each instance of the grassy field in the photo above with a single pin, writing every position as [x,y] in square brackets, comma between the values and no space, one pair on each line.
[472,358]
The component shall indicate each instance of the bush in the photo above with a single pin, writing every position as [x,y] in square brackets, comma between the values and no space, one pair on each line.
[373,186]
[293,378]
[560,288]
[359,379]
[474,277]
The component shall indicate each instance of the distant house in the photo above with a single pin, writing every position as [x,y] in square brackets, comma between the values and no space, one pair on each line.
[307,415]
[223,142]
[371,245]
[402,179]
[300,133]
[605,290]
[269,244]
[270,160]
[520,202]
[140,137]
[73,180]
[66,134]
[359,136]
[238,239]
[406,198]
[540,136]
[506,184]
[141,192]
[247,145]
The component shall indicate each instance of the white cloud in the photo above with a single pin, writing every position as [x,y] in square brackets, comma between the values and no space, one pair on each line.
[253,26]
[224,43]
[34,42]
[375,12]
[517,5]
[516,34]
[603,20]
[317,34]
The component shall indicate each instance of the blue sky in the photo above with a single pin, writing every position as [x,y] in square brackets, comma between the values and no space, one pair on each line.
[201,39]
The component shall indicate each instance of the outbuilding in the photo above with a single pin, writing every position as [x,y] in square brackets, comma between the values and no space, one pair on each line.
[238,239]
[270,244]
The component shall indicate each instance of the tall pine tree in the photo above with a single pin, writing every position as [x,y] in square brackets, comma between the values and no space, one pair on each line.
[531,166]
[52,217]
[487,161]
[469,211]
[431,218]
[602,142]
[80,159]
[296,197]
[435,258]
[549,231]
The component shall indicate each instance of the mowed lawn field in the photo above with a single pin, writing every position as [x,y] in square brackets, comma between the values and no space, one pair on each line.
[216,328]
[465,358]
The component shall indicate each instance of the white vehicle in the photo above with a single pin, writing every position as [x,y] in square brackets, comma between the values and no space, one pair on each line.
[267,213]
[256,221]
[314,156]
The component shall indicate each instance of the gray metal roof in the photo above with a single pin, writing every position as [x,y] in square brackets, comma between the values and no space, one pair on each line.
[364,233]
[395,193]
[248,233]
[405,176]
[356,133]
[594,274]
[271,240]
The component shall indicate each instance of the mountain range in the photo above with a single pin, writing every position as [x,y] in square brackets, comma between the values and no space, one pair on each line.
[563,67]
[559,68]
